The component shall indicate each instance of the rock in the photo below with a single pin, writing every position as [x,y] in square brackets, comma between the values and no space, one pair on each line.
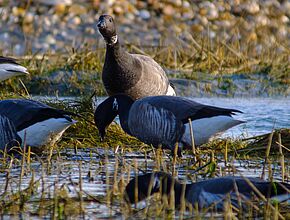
[284,19]
[286,7]
[261,20]
[18,49]
[209,10]
[197,28]
[76,20]
[201,20]
[252,7]
[60,8]
[77,9]
[28,18]
[144,14]
[17,11]
[282,32]
[118,10]
[252,37]
[96,4]
[50,40]
[168,10]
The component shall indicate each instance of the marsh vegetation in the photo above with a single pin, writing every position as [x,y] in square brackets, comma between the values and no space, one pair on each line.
[83,177]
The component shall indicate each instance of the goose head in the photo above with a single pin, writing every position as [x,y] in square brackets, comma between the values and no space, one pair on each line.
[107,28]
[109,109]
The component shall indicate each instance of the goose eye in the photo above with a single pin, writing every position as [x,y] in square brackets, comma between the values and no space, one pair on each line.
[110,19]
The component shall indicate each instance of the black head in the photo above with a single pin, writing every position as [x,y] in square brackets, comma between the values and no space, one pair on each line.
[149,183]
[109,109]
[107,28]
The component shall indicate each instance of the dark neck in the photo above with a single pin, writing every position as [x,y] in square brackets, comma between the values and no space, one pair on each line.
[124,114]
[113,49]
[116,54]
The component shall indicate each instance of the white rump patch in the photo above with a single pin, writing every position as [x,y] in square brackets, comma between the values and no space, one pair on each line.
[206,128]
[45,132]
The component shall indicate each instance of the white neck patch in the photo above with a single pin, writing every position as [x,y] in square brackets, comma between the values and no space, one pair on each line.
[113,40]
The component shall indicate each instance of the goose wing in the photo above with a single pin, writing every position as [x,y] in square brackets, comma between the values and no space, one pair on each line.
[25,112]
[184,108]
[7,60]
[8,134]
[153,79]
[154,125]
[216,190]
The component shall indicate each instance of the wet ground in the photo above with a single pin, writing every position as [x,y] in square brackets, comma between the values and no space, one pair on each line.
[97,176]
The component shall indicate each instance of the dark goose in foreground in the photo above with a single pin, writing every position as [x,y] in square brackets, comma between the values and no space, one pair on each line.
[164,119]
[10,68]
[208,192]
[39,123]
[132,74]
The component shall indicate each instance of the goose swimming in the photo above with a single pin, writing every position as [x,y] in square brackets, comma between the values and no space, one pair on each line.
[133,74]
[164,120]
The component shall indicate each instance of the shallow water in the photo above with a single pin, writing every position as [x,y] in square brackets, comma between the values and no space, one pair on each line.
[65,172]
[262,115]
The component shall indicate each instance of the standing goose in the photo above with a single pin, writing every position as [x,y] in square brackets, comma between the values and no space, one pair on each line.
[208,192]
[164,119]
[10,68]
[132,74]
[37,123]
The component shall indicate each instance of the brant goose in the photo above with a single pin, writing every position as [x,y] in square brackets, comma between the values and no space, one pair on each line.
[133,74]
[9,68]
[164,119]
[37,123]
[8,133]
[207,192]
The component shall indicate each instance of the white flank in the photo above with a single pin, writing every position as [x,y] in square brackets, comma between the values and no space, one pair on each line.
[45,132]
[16,70]
[206,128]
[170,91]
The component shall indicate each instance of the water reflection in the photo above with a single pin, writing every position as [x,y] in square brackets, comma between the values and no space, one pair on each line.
[97,173]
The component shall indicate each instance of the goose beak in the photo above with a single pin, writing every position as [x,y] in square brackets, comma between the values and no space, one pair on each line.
[101,24]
